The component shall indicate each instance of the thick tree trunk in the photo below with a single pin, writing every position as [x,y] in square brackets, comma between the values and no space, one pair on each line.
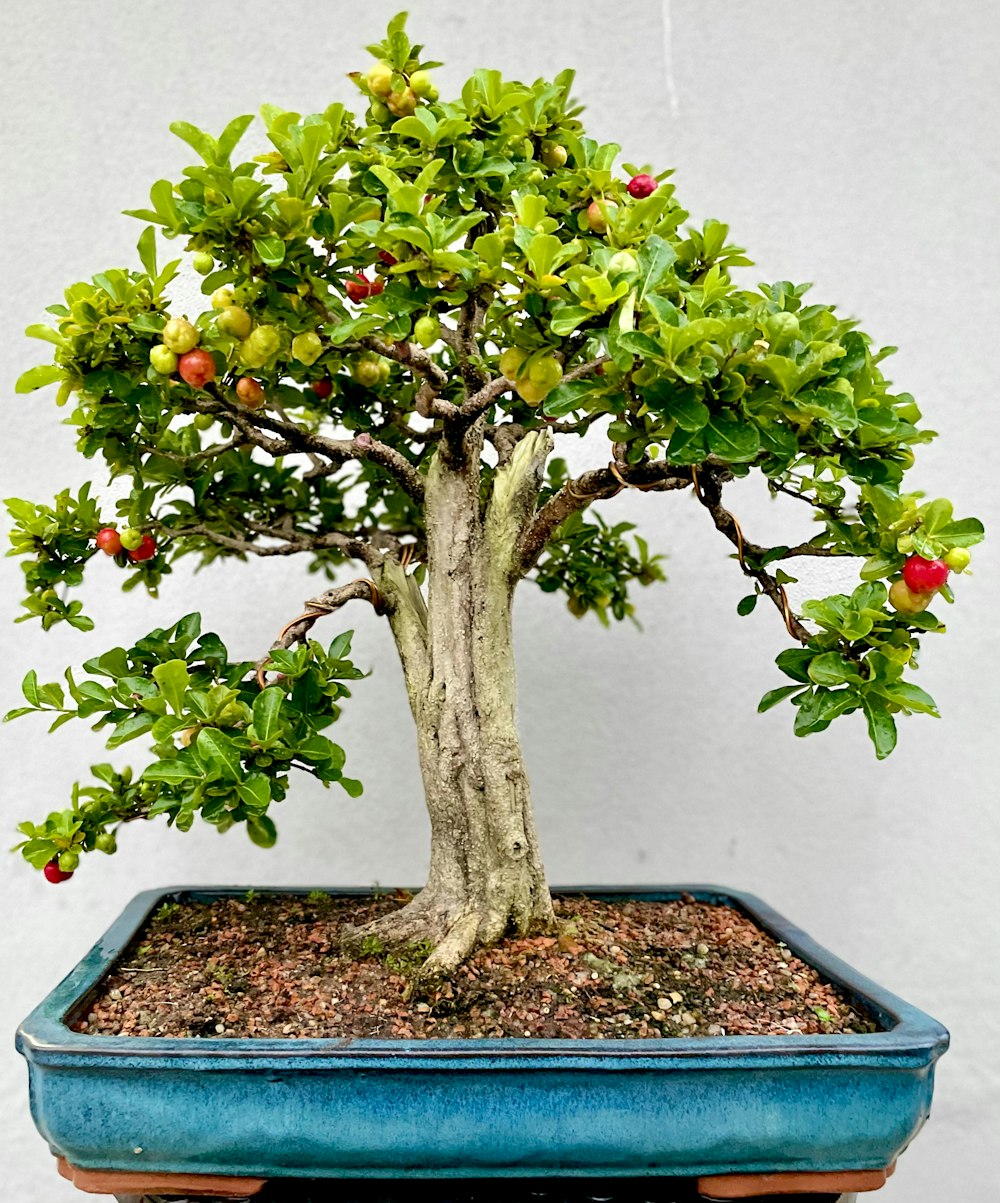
[486,876]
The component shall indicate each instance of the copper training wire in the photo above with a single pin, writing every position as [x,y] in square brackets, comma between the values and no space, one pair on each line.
[316,609]
[786,608]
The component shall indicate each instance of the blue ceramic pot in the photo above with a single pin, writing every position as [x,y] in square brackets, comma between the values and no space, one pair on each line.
[481,1108]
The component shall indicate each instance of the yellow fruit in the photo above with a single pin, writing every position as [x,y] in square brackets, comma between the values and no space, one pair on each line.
[222,298]
[235,321]
[307,348]
[367,373]
[379,79]
[423,85]
[402,104]
[179,336]
[905,601]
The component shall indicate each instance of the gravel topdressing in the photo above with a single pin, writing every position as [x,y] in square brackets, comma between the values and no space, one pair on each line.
[272,966]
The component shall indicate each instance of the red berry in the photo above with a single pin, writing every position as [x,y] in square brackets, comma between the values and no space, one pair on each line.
[196,368]
[54,874]
[376,287]
[322,388]
[359,288]
[145,551]
[387,259]
[924,576]
[109,541]
[641,185]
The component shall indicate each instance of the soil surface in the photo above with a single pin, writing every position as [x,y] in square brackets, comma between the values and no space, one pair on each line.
[272,965]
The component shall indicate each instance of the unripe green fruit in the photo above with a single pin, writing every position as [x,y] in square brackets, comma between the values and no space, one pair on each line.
[222,298]
[423,85]
[235,321]
[366,373]
[106,842]
[179,336]
[427,330]
[69,860]
[378,77]
[264,342]
[203,263]
[131,538]
[511,362]
[203,421]
[307,348]
[553,155]
[380,112]
[163,360]
[384,370]
[530,392]
[546,372]
[249,355]
[958,559]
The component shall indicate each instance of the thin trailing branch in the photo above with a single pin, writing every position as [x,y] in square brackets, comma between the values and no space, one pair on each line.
[600,484]
[355,547]
[776,487]
[708,489]
[295,438]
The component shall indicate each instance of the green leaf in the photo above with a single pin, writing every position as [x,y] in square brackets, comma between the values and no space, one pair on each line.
[132,727]
[353,787]
[732,440]
[271,250]
[219,753]
[746,605]
[255,790]
[146,247]
[267,707]
[261,831]
[774,696]
[29,687]
[964,533]
[881,725]
[175,771]
[831,668]
[173,679]
[794,663]
[46,373]
[656,258]
[910,698]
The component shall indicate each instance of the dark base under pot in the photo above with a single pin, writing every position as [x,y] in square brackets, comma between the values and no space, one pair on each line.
[743,1116]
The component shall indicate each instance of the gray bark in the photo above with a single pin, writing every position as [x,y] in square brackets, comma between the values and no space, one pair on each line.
[486,876]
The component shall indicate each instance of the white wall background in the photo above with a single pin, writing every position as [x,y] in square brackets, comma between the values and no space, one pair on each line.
[851,144]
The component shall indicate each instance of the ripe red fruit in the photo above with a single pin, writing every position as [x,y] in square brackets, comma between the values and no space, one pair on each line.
[322,388]
[376,287]
[387,259]
[54,874]
[250,392]
[924,576]
[641,185]
[108,540]
[145,551]
[359,288]
[196,368]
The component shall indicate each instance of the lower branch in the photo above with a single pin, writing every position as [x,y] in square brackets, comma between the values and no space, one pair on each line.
[599,484]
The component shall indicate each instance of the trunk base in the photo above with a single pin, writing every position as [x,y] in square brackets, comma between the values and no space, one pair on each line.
[452,925]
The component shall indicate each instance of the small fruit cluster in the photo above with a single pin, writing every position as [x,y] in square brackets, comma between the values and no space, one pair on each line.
[132,544]
[177,353]
[396,93]
[599,212]
[534,375]
[923,578]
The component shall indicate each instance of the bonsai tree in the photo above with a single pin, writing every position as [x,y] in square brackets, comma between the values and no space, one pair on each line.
[405,311]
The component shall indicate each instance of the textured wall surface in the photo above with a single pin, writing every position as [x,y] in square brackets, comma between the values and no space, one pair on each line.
[850,144]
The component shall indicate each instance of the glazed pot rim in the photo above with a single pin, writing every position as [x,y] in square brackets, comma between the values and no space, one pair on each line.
[909,1037]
